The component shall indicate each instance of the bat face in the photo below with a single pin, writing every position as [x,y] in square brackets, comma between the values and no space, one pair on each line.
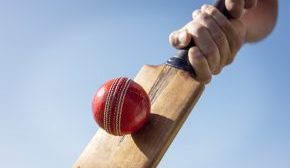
[173,93]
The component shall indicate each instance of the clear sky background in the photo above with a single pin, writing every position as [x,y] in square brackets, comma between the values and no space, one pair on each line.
[55,54]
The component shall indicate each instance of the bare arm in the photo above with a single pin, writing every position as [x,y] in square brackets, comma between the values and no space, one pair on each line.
[261,20]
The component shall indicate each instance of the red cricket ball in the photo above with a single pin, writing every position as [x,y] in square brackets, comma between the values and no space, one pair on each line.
[121,106]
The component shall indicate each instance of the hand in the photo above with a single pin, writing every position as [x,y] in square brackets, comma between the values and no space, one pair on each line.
[217,41]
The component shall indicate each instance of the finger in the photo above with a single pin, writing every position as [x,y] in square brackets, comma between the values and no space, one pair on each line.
[235,7]
[218,36]
[250,4]
[179,39]
[226,27]
[199,64]
[241,31]
[203,40]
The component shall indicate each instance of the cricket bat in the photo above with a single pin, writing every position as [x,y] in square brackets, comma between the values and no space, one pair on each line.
[173,92]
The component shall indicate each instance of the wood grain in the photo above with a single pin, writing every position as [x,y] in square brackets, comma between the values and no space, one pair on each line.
[173,93]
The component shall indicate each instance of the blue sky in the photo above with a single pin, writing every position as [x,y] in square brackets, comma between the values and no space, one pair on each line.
[55,54]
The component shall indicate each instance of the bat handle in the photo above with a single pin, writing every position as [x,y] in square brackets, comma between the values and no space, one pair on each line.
[180,59]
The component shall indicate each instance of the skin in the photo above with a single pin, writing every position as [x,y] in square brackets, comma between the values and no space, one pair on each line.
[218,39]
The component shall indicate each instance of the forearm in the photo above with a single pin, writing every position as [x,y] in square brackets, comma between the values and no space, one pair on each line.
[261,20]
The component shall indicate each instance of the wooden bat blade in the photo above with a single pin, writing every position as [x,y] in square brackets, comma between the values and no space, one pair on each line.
[173,93]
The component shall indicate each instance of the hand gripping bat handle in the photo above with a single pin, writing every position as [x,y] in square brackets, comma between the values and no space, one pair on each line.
[180,59]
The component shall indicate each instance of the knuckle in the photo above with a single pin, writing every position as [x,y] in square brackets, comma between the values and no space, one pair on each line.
[210,10]
[191,53]
[195,54]
[195,13]
[219,38]
[205,78]
[204,16]
[235,45]
[218,71]
[212,55]
[199,28]
[230,60]
[210,51]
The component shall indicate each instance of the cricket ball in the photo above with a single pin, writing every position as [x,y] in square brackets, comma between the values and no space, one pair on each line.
[121,106]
